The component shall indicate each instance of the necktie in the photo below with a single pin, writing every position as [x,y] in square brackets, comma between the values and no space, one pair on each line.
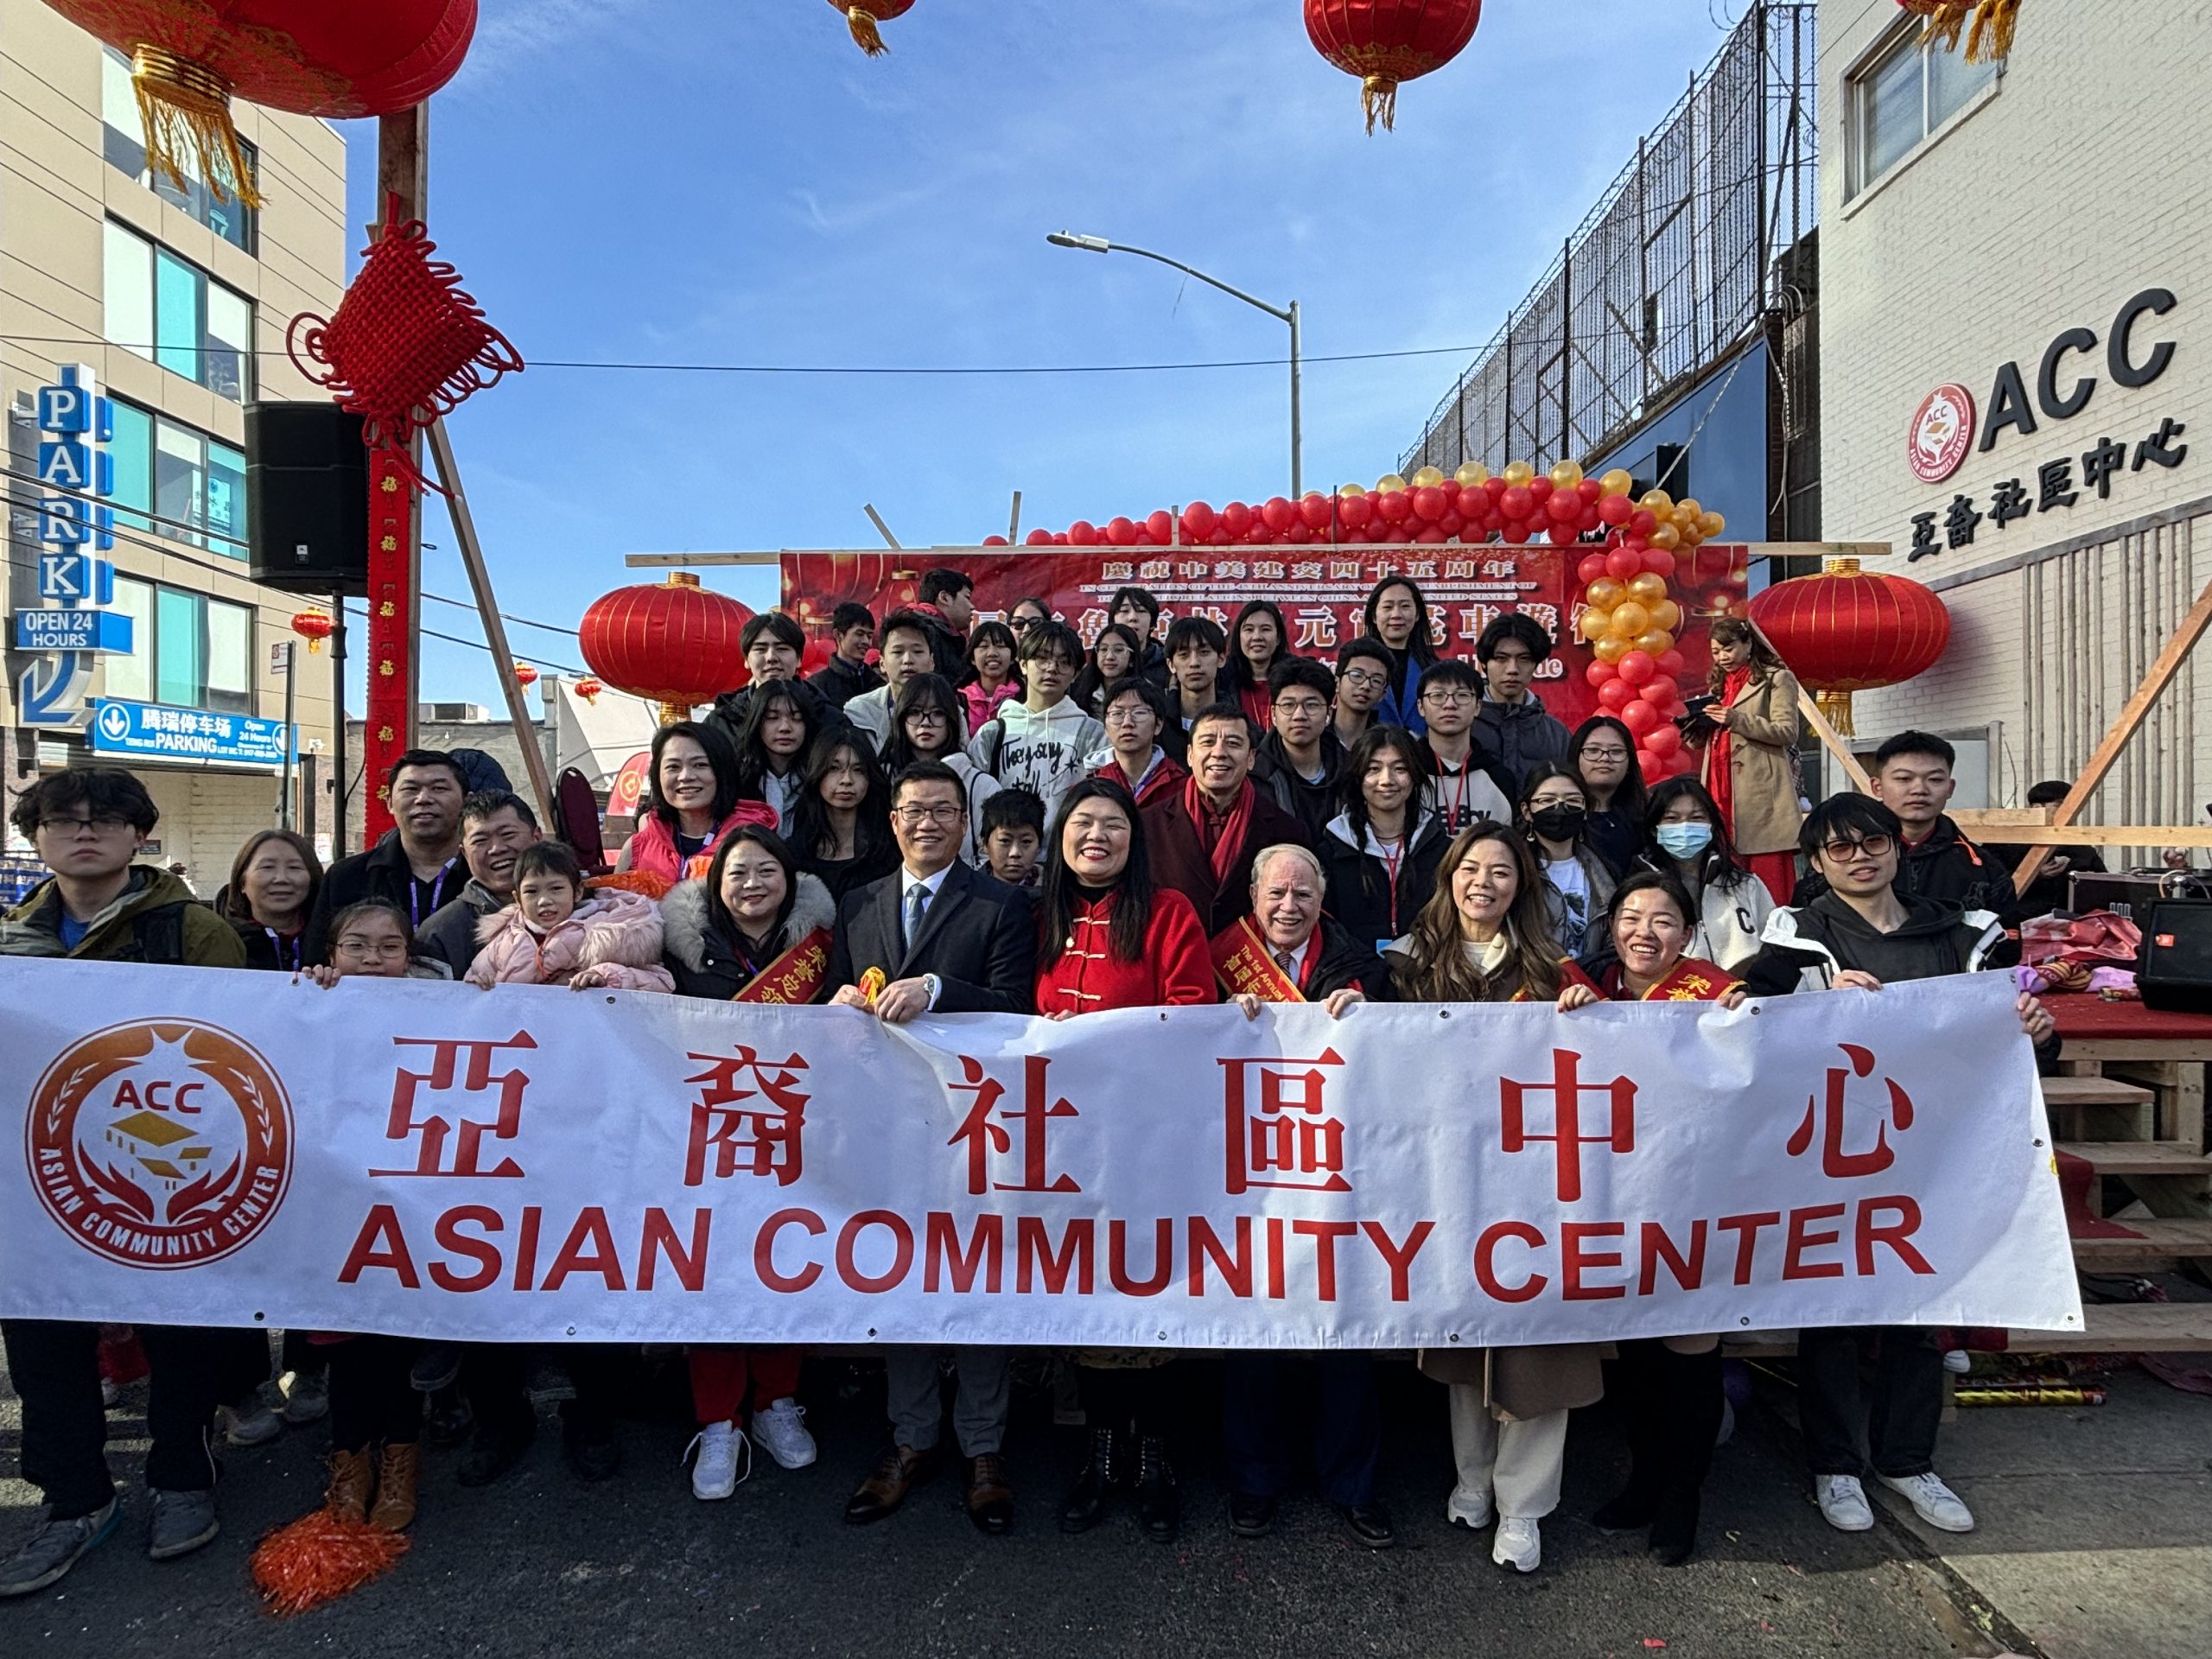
[917,901]
[1283,961]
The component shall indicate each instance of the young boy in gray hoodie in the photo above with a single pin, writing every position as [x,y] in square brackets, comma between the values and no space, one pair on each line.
[1044,743]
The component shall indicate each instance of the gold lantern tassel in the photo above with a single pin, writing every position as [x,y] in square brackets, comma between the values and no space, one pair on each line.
[183,105]
[1835,708]
[1991,37]
[865,34]
[1378,98]
[1945,19]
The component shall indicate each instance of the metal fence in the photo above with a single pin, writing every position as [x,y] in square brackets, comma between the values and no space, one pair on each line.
[1669,273]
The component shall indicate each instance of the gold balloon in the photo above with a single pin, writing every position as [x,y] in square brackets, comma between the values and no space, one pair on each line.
[1666,537]
[1427,478]
[1388,482]
[1616,482]
[1655,643]
[1352,489]
[1648,589]
[1710,525]
[1610,649]
[1667,615]
[1595,623]
[1628,619]
[1688,515]
[1657,501]
[1566,475]
[1605,593]
[1473,474]
[1518,475]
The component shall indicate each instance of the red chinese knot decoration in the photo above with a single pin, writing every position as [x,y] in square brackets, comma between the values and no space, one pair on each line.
[1845,631]
[1386,41]
[861,16]
[407,345]
[310,57]
[675,643]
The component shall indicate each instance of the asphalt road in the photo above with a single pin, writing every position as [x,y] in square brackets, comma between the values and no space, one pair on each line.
[541,1565]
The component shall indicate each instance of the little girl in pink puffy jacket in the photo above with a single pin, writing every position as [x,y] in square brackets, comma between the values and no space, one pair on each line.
[553,935]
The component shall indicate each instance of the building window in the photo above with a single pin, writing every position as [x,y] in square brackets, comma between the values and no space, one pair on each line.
[169,310]
[122,141]
[173,480]
[1902,93]
[192,651]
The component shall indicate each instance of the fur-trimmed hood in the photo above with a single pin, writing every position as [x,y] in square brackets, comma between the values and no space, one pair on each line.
[685,918]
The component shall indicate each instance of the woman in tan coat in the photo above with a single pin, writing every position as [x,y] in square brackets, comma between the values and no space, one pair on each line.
[1485,937]
[1750,762]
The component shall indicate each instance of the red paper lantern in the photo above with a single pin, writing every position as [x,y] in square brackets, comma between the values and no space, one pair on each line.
[588,689]
[525,675]
[1845,631]
[1385,42]
[675,644]
[314,625]
[861,16]
[190,57]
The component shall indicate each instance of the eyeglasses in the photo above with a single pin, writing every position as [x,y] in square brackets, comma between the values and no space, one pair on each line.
[1593,753]
[928,717]
[1307,706]
[1019,626]
[943,812]
[100,823]
[1128,714]
[360,950]
[1872,846]
[1456,697]
[1361,676]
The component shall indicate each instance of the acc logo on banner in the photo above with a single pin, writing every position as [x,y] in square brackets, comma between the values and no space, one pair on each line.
[160,1143]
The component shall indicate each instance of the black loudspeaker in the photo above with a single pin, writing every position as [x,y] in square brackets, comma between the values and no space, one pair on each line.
[306,495]
[2174,973]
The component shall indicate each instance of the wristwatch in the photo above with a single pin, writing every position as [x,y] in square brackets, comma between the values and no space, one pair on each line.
[930,985]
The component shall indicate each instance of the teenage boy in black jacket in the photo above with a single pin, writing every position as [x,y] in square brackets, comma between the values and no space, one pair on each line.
[1912,776]
[1864,930]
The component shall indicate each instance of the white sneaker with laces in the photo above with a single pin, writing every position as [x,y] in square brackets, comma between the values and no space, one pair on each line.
[1932,1501]
[1468,1508]
[1843,1502]
[1519,1545]
[1957,1361]
[782,1430]
[721,1447]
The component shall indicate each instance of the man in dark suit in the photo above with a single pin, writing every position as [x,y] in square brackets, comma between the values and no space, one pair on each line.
[947,940]
[1203,837]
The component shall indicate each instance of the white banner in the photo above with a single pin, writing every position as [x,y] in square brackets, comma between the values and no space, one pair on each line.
[208,1147]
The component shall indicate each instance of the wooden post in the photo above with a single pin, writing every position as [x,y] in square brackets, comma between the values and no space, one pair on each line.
[881,529]
[495,628]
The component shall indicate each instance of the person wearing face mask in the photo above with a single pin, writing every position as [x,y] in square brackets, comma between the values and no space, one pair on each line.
[1603,752]
[1729,905]
[1485,936]
[1380,855]
[1577,884]
[1669,1387]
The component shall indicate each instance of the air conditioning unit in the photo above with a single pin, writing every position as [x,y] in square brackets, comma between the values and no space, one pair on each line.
[452,713]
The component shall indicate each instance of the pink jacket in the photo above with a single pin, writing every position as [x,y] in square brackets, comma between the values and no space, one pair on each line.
[983,706]
[620,932]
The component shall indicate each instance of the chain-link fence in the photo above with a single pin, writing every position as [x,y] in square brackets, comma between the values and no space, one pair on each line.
[1669,272]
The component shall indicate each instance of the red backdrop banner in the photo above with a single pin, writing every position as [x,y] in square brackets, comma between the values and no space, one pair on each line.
[1322,591]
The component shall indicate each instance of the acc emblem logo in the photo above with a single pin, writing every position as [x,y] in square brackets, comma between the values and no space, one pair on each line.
[160,1143]
[1941,435]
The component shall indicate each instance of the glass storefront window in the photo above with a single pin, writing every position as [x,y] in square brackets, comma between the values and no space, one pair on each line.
[122,141]
[132,677]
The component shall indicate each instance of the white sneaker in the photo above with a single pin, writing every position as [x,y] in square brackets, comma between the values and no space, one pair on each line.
[1843,1502]
[1957,1361]
[1933,1501]
[1468,1510]
[255,1424]
[721,1447]
[782,1430]
[1518,1544]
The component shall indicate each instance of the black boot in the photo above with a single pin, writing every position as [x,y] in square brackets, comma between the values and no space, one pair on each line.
[1635,1507]
[1087,1498]
[1159,1498]
[1674,1531]
[1640,1382]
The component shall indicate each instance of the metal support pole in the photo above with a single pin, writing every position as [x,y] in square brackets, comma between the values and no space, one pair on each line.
[338,736]
[291,732]
[1297,436]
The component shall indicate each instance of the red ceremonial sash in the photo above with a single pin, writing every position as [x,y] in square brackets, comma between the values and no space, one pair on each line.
[794,978]
[1570,973]
[1692,980]
[1244,965]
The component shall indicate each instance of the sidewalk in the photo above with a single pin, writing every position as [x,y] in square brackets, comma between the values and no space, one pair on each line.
[2095,1535]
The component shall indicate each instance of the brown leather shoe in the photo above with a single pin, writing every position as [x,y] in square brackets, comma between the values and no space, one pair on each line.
[396,1476]
[990,1500]
[353,1477]
[901,1470]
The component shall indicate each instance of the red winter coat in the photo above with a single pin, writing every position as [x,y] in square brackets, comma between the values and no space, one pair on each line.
[1174,970]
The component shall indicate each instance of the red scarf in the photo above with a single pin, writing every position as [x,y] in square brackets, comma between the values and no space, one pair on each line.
[1719,753]
[1222,846]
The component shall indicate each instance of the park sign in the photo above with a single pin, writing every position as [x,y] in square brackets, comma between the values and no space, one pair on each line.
[75,524]
[147,731]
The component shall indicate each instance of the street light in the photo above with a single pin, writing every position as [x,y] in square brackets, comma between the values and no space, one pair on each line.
[1100,245]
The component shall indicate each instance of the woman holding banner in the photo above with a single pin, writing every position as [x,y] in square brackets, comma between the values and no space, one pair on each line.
[1107,938]
[1670,1388]
[1485,936]
[755,931]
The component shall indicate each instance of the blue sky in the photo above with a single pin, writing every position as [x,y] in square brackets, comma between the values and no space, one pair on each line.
[703,181]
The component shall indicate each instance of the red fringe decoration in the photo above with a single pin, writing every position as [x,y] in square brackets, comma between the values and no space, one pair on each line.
[319,1558]
[655,887]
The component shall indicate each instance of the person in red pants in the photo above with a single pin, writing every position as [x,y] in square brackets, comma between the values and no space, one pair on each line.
[725,1381]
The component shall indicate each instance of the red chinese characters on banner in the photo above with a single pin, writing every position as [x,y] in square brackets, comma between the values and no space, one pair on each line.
[983,1129]
[750,1114]
[446,1142]
[1830,1111]
[1279,1131]
[1567,1138]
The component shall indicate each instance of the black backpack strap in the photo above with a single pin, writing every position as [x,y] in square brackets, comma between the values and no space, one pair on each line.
[157,934]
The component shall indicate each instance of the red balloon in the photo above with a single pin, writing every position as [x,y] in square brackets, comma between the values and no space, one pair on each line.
[1593,569]
[1356,511]
[1278,514]
[1431,535]
[1451,524]
[1540,489]
[1394,507]
[819,651]
[1259,535]
[1616,694]
[1515,505]
[1221,538]
[1664,696]
[1621,564]
[1298,535]
[1316,510]
[1038,539]
[1659,562]
[1562,534]
[1472,502]
[1198,521]
[988,541]
[1060,538]
[1515,533]
[1122,532]
[1600,674]
[1663,740]
[1615,509]
[1671,664]
[1653,767]
[1637,667]
[1639,716]
[1430,504]
[1161,526]
[1563,506]
[1591,491]
[1642,522]
[1083,533]
[1236,518]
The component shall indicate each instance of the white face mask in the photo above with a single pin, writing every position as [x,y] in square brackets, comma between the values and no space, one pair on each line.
[1683,840]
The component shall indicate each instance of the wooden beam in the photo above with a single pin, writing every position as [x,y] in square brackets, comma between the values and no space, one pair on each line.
[2155,680]
[1013,522]
[1365,549]
[1993,826]
[881,529]
[669,561]
[1815,549]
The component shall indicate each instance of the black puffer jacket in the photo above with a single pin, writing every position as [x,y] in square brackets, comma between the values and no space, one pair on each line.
[709,962]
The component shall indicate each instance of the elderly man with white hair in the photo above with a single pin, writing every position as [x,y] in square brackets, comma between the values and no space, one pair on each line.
[1286,951]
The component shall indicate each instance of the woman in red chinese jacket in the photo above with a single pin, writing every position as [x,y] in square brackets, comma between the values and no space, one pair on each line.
[755,930]
[1669,1387]
[1108,938]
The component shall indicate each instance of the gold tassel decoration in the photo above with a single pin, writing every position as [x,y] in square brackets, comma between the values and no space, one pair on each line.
[865,34]
[1378,98]
[1945,19]
[186,107]
[1835,708]
[1990,40]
